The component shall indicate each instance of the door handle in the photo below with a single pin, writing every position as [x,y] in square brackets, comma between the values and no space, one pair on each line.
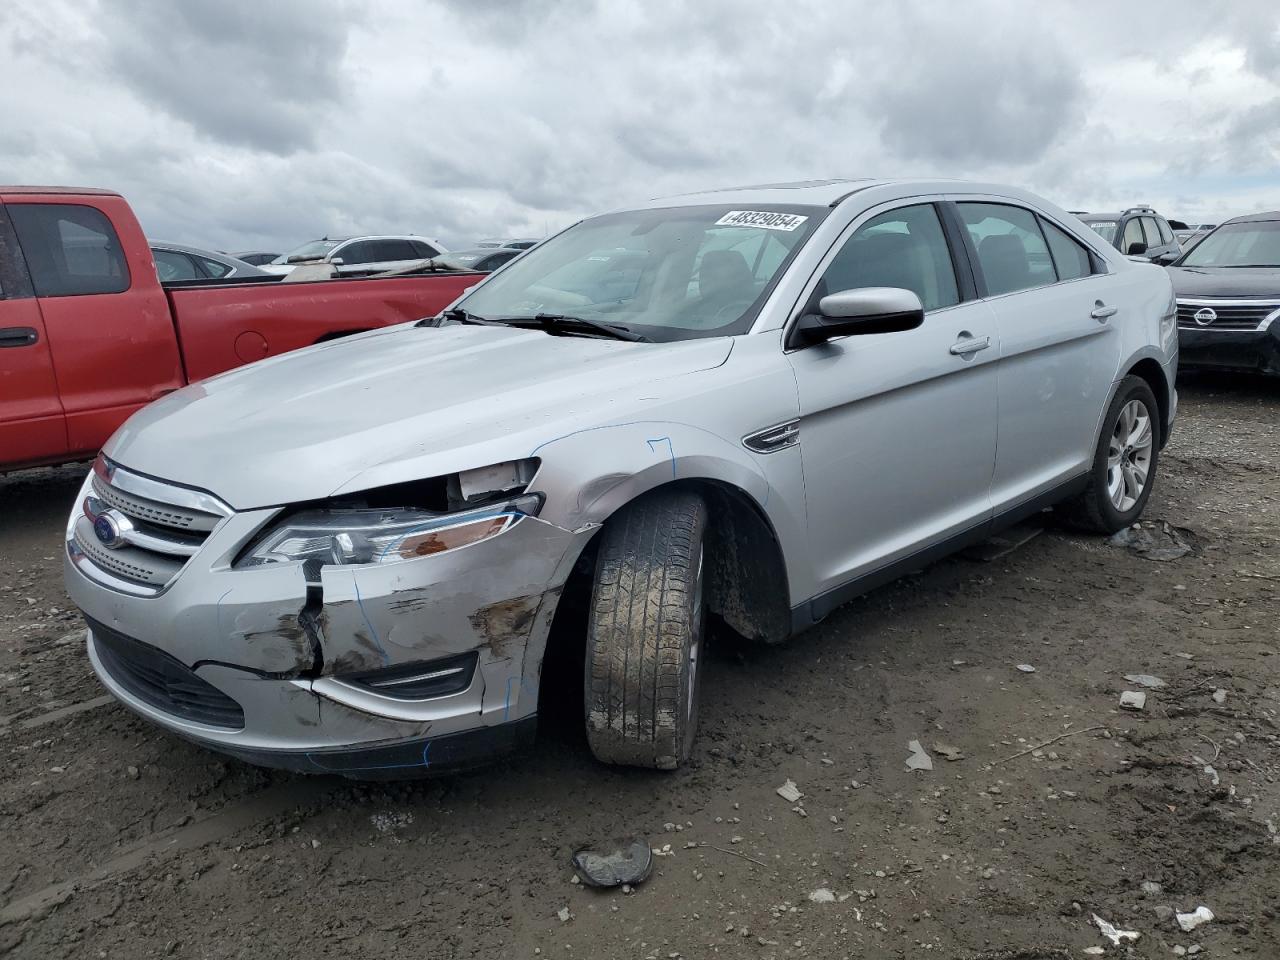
[18,336]
[1101,311]
[970,345]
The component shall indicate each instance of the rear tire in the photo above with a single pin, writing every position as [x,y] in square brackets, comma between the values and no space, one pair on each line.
[1124,463]
[645,638]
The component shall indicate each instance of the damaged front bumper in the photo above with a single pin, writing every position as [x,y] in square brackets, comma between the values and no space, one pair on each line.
[259,664]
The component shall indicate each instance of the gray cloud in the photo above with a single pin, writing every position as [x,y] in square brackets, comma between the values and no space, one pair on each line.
[259,75]
[235,123]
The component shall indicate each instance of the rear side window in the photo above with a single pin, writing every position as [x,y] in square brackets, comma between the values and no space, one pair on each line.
[71,249]
[213,268]
[1069,257]
[1011,249]
[384,250]
[172,265]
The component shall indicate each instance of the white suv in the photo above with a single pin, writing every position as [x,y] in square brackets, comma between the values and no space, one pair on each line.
[353,256]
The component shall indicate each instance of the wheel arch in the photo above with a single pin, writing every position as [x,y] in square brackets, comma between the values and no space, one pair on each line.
[1149,370]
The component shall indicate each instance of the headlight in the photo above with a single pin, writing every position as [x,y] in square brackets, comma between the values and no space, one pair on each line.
[360,533]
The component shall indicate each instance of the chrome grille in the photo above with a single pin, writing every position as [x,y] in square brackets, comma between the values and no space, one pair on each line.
[1226,314]
[135,534]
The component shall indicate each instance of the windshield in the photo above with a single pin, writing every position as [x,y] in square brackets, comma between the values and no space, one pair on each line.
[313,250]
[1106,229]
[1250,244]
[669,274]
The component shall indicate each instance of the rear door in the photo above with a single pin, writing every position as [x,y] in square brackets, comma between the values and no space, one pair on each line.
[897,430]
[1059,344]
[32,425]
[109,328]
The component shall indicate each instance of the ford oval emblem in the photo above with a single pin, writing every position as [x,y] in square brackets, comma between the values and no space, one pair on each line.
[107,531]
[1206,316]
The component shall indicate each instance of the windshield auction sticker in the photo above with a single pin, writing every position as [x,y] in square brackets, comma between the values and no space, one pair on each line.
[761,218]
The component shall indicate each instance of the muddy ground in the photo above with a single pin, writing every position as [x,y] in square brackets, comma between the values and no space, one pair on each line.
[121,841]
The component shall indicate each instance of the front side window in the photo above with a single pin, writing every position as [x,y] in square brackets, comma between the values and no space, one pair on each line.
[1011,249]
[1166,232]
[667,274]
[1250,244]
[903,248]
[71,249]
[359,251]
[1069,256]
[1132,234]
[1152,231]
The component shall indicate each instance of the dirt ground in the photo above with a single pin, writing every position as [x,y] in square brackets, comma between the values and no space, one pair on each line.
[118,840]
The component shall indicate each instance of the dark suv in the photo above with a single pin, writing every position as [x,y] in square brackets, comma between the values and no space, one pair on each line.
[1136,232]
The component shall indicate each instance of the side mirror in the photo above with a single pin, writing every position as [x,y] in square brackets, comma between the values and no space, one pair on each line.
[1166,258]
[863,310]
[337,261]
[1136,249]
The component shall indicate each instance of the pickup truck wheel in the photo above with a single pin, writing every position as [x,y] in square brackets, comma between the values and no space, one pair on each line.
[645,635]
[1124,463]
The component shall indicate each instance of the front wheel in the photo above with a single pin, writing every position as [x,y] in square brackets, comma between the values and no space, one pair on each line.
[1124,463]
[645,636]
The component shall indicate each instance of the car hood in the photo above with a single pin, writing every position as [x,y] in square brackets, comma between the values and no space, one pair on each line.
[401,403]
[1262,282]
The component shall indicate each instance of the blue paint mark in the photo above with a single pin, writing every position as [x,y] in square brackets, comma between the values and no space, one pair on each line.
[671,450]
[369,623]
[426,749]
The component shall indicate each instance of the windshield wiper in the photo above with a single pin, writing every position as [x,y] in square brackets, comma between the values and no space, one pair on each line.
[458,315]
[561,321]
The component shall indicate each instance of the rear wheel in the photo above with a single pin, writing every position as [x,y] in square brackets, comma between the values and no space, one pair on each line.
[646,633]
[1124,463]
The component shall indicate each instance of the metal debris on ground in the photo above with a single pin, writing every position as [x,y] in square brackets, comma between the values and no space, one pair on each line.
[947,751]
[919,760]
[1133,700]
[1145,680]
[789,792]
[627,861]
[1026,668]
[1189,921]
[1155,541]
[1112,934]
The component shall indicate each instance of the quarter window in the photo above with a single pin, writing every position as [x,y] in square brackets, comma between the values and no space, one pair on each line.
[1011,249]
[424,250]
[1069,257]
[900,248]
[71,249]
[213,268]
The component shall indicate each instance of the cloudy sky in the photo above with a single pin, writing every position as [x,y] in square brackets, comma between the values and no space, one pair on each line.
[236,124]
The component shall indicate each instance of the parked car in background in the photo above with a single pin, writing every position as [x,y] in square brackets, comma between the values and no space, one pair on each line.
[176,261]
[517,244]
[481,259]
[1228,291]
[1136,232]
[355,256]
[1191,242]
[757,403]
[88,332]
[255,257]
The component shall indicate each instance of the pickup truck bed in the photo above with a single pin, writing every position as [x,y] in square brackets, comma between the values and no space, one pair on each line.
[88,334]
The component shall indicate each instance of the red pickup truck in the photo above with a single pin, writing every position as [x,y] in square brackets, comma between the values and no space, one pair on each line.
[88,334]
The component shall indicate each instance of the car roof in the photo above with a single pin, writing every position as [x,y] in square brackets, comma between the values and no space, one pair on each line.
[830,193]
[93,191]
[1256,217]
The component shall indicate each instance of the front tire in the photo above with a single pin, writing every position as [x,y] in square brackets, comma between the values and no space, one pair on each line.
[645,638]
[1124,463]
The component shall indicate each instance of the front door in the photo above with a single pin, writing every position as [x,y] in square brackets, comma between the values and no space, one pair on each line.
[898,430]
[109,328]
[32,427]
